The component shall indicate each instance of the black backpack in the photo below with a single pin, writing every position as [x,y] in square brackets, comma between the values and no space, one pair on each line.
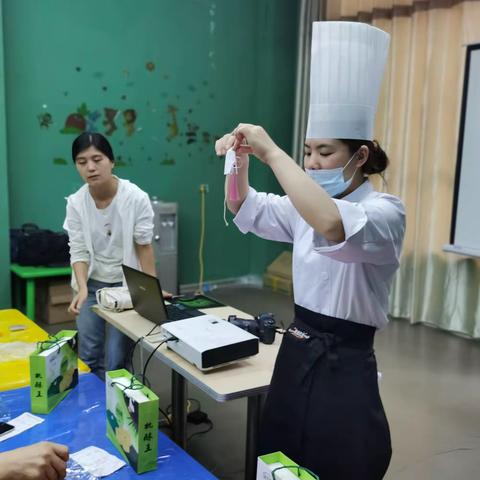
[33,246]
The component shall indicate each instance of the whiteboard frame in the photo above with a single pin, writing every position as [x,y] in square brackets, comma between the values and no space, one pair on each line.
[452,247]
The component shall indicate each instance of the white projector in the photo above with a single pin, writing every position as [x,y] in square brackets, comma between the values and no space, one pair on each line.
[209,342]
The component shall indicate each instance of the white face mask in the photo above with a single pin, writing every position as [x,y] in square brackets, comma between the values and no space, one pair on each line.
[332,180]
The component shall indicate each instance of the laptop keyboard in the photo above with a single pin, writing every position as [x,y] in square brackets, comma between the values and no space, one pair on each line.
[179,312]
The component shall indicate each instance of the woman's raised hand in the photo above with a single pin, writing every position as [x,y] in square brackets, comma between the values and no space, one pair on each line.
[255,140]
[224,143]
[247,139]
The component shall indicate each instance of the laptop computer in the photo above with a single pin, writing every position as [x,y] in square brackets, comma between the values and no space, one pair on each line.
[148,300]
[203,340]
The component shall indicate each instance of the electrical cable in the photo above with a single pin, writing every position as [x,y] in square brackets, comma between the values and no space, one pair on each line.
[144,373]
[143,378]
[199,405]
[167,418]
[132,350]
[210,427]
[197,402]
[202,239]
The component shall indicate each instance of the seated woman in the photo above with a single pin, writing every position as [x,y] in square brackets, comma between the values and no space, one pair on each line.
[109,222]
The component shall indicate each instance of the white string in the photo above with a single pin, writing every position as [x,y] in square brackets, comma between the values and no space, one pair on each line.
[225,208]
[235,168]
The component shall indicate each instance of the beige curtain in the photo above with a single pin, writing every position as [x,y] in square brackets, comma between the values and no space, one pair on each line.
[417,124]
[309,11]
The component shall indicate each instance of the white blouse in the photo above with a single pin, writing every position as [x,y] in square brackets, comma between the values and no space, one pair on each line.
[136,213]
[107,240]
[349,280]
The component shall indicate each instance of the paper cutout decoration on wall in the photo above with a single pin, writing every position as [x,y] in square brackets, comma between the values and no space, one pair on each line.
[129,116]
[76,123]
[109,122]
[206,137]
[191,133]
[119,161]
[173,125]
[45,119]
[92,118]
[168,161]
[60,161]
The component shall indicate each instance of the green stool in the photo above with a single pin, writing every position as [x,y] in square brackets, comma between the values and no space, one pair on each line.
[29,275]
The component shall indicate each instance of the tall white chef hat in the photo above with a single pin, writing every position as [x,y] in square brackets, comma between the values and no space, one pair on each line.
[347,64]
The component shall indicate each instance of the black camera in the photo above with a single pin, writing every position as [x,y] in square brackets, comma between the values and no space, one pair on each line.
[262,326]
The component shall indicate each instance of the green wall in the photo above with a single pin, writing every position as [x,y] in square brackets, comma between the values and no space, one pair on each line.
[190,70]
[4,221]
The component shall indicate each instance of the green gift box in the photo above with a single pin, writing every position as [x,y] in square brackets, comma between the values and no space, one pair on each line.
[277,466]
[132,419]
[53,370]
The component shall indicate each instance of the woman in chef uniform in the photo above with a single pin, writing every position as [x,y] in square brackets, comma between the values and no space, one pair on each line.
[323,408]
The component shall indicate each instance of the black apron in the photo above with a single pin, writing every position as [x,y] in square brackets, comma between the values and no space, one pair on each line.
[323,408]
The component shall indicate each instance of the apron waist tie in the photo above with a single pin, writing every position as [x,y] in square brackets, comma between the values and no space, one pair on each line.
[347,333]
[324,335]
[319,346]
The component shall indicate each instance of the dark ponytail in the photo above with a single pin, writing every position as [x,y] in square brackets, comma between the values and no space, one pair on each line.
[377,160]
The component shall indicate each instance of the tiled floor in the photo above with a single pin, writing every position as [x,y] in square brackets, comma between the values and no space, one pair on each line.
[430,388]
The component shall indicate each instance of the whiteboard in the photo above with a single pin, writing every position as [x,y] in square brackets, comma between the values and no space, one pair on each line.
[465,226]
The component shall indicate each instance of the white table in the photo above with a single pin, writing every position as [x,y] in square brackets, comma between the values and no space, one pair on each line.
[246,378]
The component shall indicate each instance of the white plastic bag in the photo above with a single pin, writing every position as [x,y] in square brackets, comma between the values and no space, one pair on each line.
[115,299]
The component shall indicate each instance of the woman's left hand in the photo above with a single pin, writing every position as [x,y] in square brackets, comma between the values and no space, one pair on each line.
[78,300]
[255,140]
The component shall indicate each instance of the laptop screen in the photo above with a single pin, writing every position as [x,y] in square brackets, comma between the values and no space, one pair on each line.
[146,293]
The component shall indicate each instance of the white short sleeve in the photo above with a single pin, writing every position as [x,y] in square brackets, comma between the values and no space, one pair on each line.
[268,216]
[374,232]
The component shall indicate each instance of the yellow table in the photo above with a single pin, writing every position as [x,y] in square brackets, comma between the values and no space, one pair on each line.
[14,364]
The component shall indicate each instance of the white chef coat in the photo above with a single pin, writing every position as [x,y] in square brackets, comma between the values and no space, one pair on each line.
[348,280]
